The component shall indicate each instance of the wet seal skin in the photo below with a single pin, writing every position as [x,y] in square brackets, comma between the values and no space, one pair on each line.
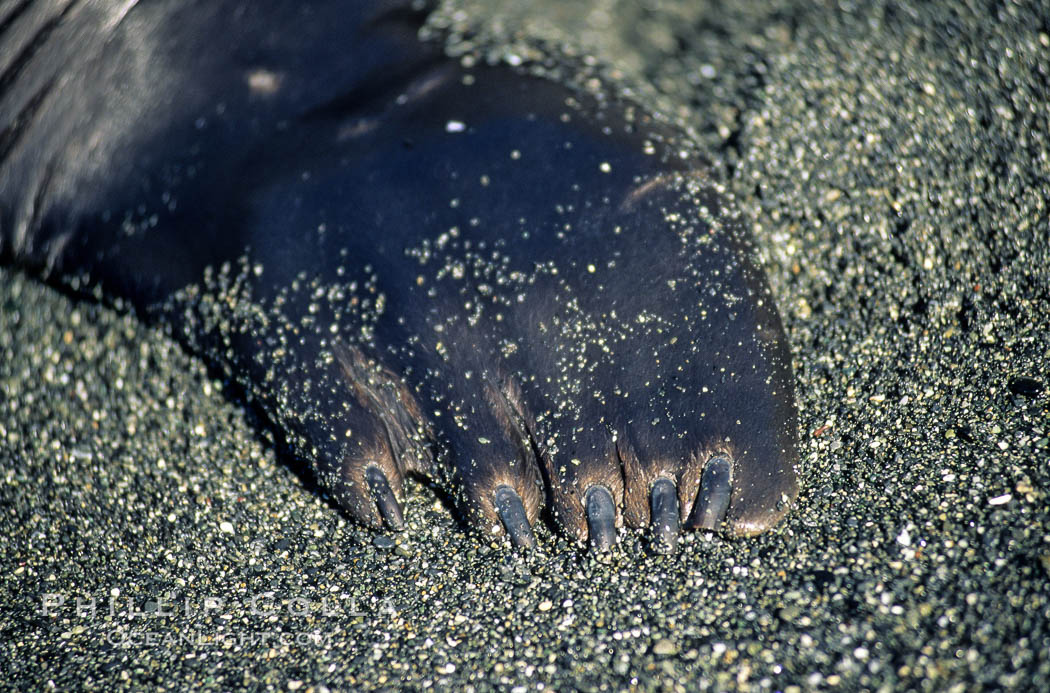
[527,292]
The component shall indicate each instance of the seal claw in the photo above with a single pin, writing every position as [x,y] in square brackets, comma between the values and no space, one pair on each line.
[712,501]
[511,512]
[663,504]
[384,498]
[601,517]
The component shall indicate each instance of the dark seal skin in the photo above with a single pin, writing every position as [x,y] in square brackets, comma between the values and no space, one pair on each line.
[528,292]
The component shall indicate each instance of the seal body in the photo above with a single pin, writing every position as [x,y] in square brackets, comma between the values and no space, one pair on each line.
[415,264]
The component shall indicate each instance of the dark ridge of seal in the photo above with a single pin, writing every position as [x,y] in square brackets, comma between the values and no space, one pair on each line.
[416,265]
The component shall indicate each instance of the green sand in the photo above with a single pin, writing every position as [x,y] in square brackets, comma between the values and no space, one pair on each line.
[895,161]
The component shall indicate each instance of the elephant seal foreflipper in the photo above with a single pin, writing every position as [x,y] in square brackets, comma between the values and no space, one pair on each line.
[529,292]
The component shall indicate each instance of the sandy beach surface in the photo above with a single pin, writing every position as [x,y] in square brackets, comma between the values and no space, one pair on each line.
[894,159]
